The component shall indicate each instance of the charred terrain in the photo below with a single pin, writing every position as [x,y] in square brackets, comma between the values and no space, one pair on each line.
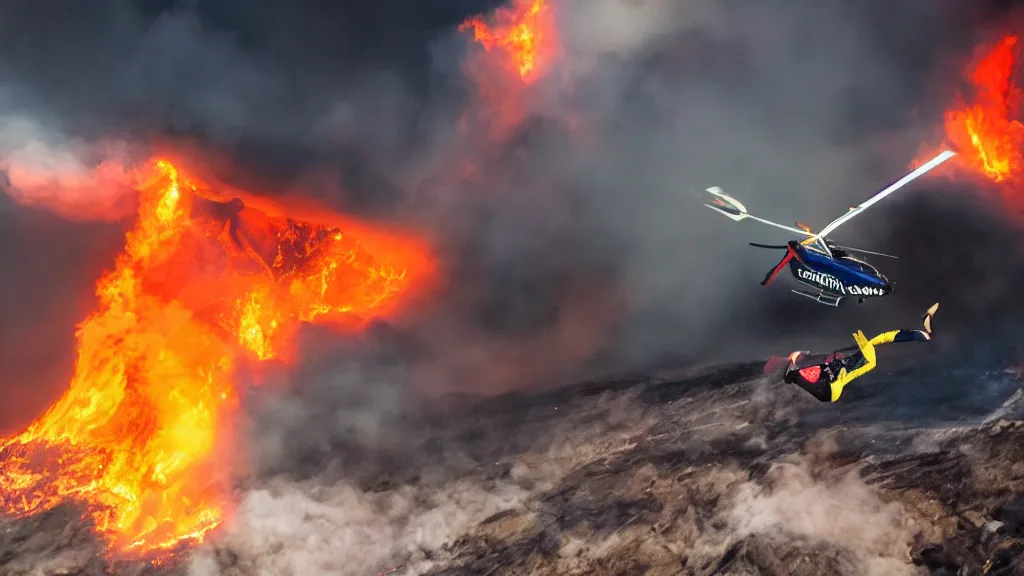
[717,472]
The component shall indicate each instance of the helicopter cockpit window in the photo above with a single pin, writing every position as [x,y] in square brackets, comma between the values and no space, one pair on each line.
[865,267]
[862,266]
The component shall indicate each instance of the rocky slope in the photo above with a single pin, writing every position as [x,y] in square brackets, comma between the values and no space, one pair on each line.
[718,472]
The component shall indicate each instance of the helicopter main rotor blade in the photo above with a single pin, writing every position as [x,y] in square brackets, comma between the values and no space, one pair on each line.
[858,250]
[920,171]
[734,210]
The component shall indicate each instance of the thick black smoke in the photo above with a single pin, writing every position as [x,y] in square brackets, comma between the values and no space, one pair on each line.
[571,249]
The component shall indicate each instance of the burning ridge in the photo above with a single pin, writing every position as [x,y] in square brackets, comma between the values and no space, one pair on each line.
[204,286]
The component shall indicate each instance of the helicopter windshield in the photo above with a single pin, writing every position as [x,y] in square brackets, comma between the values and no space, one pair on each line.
[861,265]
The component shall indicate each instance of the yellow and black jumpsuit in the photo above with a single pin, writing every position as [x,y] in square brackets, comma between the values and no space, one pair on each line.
[826,381]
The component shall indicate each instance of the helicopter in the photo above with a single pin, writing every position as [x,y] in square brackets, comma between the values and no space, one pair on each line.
[829,270]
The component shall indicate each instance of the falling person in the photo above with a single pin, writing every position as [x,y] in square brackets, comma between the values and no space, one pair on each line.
[826,381]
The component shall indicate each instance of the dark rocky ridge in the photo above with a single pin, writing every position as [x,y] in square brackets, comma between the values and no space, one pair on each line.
[721,472]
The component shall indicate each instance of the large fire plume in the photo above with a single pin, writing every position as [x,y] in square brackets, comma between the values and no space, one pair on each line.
[203,286]
[984,126]
[520,46]
[523,32]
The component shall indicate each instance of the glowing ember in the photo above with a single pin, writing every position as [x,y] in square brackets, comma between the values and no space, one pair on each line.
[525,32]
[143,434]
[987,133]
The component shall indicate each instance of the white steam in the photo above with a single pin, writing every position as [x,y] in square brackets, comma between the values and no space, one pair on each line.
[46,169]
[844,513]
[288,529]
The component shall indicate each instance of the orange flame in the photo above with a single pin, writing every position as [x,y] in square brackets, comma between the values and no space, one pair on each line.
[143,434]
[520,43]
[524,32]
[987,133]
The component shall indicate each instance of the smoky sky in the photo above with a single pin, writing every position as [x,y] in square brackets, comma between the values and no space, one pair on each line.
[580,242]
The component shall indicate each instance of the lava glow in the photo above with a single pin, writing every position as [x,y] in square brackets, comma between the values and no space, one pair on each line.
[143,435]
[985,128]
[524,33]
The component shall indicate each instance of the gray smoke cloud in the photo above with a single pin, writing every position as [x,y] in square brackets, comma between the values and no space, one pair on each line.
[773,104]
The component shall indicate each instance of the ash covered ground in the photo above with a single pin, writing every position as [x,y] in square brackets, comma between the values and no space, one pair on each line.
[719,471]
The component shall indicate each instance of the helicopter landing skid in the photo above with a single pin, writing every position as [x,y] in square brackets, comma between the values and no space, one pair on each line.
[821,298]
